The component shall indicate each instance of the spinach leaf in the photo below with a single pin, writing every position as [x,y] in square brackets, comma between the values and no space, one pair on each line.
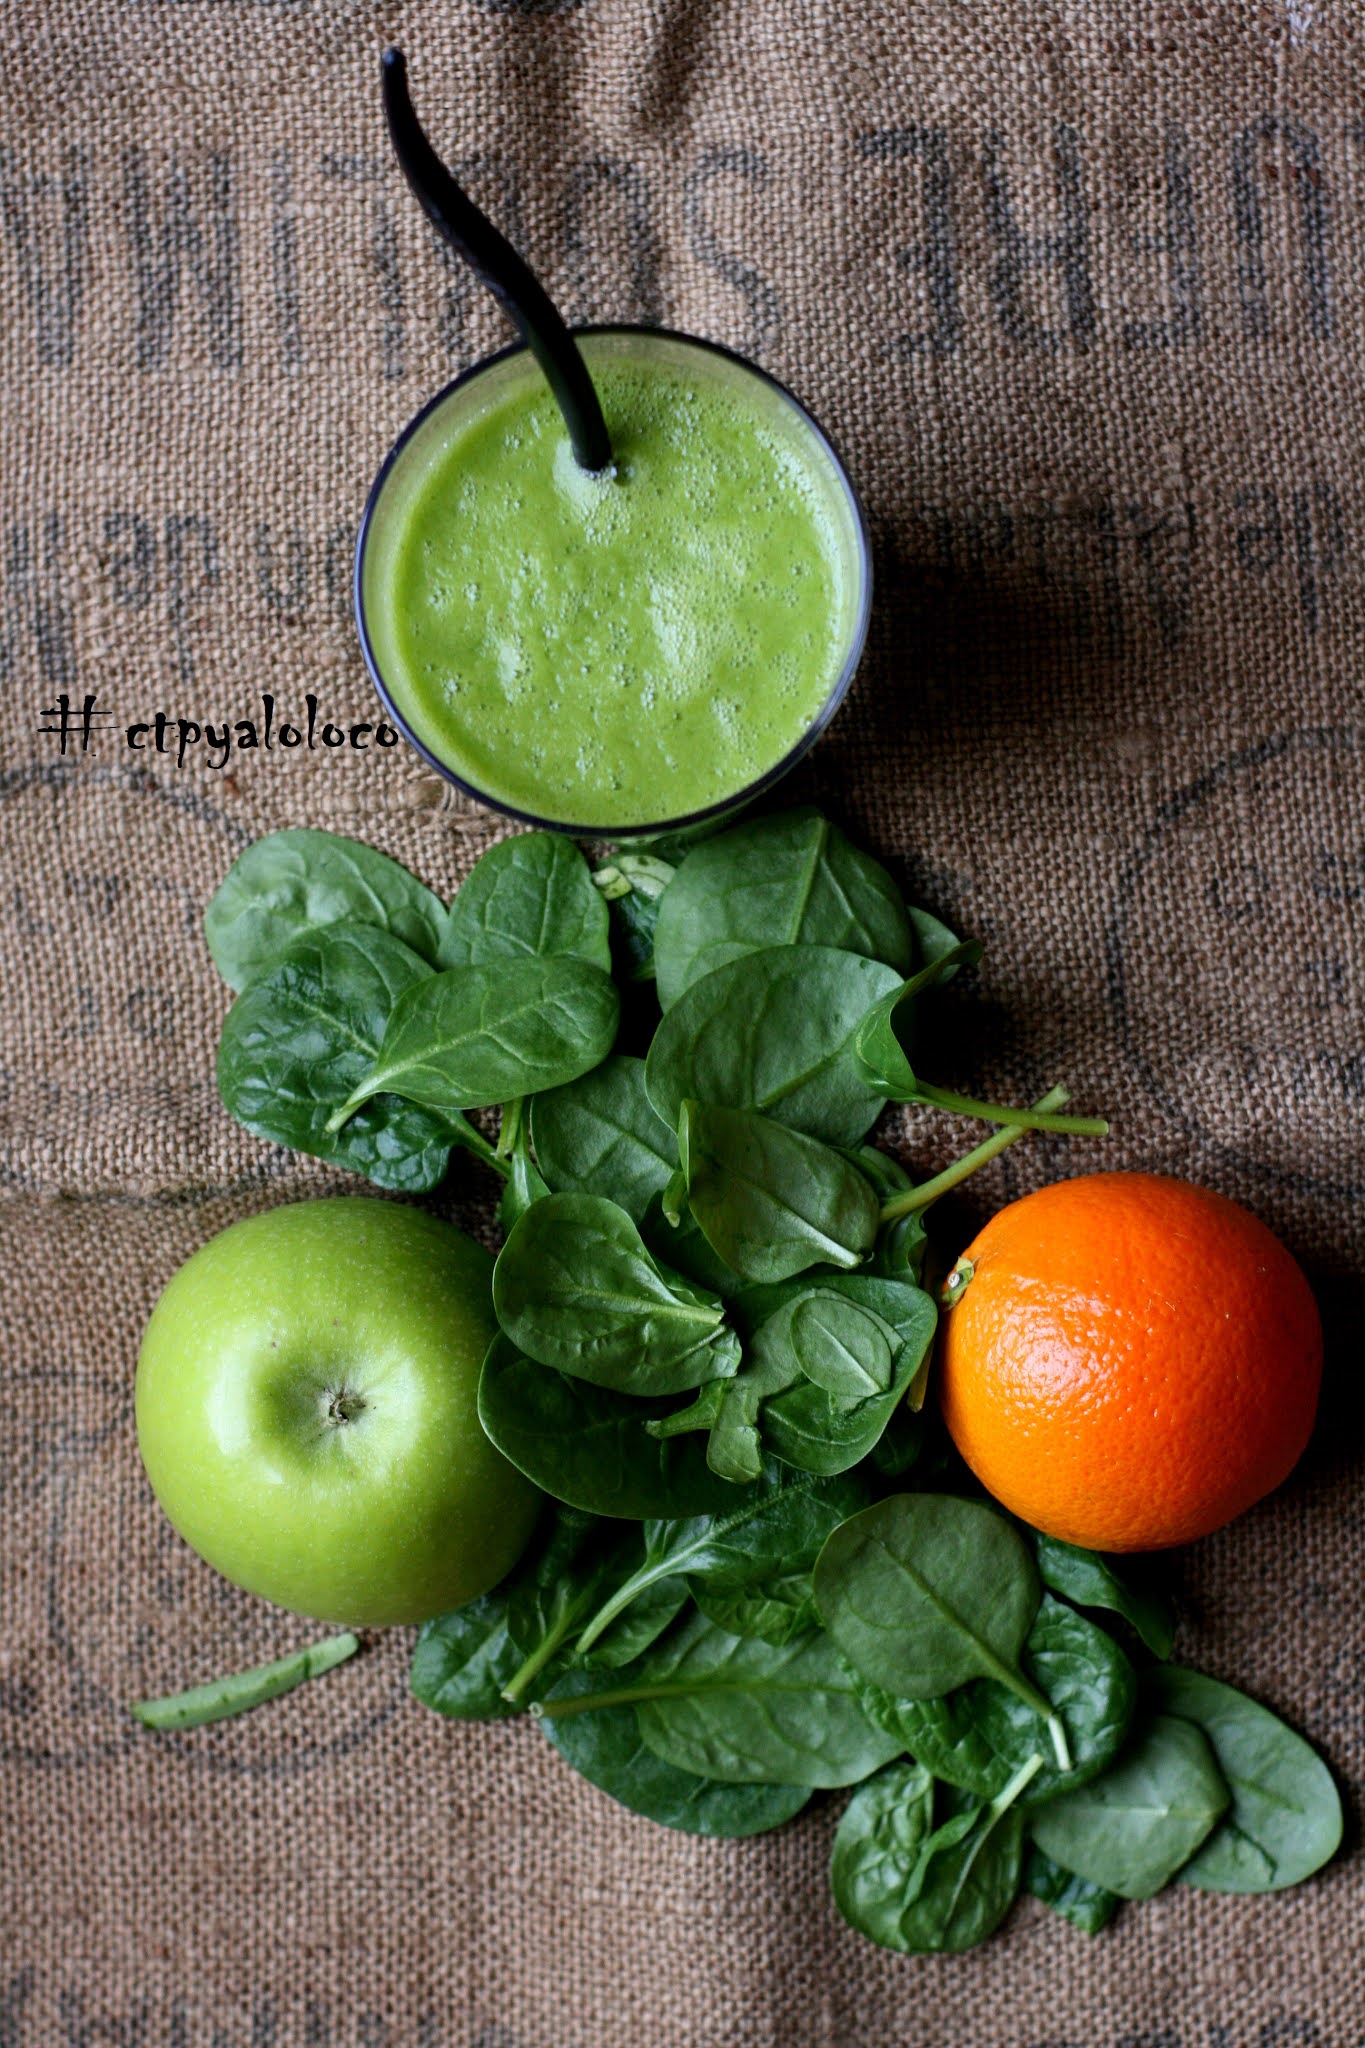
[881,1054]
[886,1030]
[632,1632]
[886,1173]
[776,1609]
[843,1348]
[682,1248]
[901,1248]
[1089,1684]
[768,1403]
[734,1447]
[777,1526]
[898,1447]
[772,1202]
[528,897]
[1132,1829]
[979,1735]
[305,1033]
[773,1031]
[1087,1906]
[605,1748]
[466,1661]
[632,884]
[877,1850]
[787,880]
[243,1690]
[589,1447]
[393,1143]
[758,1312]
[474,1036]
[770,1374]
[548,1600]
[922,1892]
[698,1414]
[574,1288]
[294,883]
[771,1405]
[525,1182]
[807,1426]
[599,1135]
[933,940]
[923,1592]
[1088,1580]
[742,1710]
[746,1711]
[1285,1819]
[463,1660]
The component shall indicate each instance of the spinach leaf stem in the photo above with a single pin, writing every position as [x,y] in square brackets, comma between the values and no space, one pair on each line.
[916,1199]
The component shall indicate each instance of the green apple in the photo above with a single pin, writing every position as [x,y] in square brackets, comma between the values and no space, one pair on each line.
[307,1413]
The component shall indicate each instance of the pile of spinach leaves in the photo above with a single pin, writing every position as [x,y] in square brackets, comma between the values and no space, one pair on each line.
[714,1337]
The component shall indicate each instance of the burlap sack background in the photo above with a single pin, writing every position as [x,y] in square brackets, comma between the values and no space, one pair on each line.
[1078,285]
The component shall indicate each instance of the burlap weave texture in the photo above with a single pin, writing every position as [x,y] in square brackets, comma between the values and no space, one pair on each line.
[1077,286]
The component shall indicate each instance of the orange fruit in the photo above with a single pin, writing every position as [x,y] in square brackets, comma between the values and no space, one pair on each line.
[1132,1360]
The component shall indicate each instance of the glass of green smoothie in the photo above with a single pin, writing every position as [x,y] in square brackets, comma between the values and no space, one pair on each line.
[632,653]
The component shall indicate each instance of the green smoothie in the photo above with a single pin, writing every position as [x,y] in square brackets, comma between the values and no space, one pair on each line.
[620,649]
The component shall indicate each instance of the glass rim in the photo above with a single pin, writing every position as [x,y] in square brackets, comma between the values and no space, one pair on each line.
[750,791]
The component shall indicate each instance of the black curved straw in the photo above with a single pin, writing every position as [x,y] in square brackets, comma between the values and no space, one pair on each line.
[518,291]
